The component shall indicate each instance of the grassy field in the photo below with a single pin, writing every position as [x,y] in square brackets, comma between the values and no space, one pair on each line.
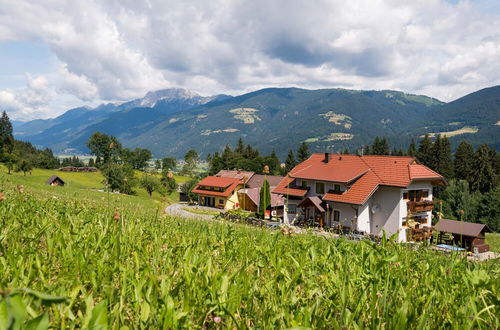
[70,258]
[85,183]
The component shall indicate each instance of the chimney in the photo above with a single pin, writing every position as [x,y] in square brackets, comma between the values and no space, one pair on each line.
[327,157]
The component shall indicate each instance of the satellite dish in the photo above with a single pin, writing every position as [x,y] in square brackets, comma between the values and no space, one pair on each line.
[375,208]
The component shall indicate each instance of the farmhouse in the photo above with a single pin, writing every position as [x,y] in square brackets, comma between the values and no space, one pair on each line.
[371,194]
[55,181]
[220,192]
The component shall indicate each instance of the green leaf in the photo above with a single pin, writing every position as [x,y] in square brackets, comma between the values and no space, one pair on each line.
[45,298]
[99,318]
[40,322]
[145,310]
[4,316]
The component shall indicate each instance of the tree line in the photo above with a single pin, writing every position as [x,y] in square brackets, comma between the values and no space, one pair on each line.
[21,156]
[118,166]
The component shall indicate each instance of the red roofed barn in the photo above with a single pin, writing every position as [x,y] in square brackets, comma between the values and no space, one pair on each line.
[367,193]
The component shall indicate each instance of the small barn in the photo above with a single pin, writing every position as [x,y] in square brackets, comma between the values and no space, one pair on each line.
[468,235]
[55,181]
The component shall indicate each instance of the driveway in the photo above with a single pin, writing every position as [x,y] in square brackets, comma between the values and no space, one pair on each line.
[178,209]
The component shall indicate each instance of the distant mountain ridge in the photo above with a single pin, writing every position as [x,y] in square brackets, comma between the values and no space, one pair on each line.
[169,122]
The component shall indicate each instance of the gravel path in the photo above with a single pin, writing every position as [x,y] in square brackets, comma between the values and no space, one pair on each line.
[177,210]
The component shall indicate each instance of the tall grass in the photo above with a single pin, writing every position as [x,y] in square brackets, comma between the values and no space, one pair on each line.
[76,262]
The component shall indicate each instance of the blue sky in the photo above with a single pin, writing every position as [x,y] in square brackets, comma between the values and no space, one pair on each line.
[55,55]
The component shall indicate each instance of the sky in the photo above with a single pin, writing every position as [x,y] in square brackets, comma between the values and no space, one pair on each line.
[56,55]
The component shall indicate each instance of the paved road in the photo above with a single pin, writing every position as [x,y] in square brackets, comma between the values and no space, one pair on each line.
[177,210]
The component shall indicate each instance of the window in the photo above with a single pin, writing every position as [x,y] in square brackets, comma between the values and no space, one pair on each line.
[320,188]
[336,215]
[416,195]
[292,208]
[336,189]
[304,184]
[221,201]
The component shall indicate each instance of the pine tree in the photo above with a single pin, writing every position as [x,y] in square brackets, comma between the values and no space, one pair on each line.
[303,152]
[424,153]
[412,149]
[483,177]
[442,161]
[265,198]
[380,146]
[290,161]
[240,147]
[6,138]
[464,162]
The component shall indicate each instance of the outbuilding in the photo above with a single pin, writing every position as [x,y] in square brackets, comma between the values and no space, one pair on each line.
[55,181]
[465,234]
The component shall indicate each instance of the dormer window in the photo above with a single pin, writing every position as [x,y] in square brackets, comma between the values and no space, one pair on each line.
[336,189]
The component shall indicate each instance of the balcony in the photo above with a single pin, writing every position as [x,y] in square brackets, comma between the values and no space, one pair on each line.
[422,206]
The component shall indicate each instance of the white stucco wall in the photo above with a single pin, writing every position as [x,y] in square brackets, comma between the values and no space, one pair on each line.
[364,218]
[385,211]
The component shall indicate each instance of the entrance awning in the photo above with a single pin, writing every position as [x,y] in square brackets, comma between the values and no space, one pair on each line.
[312,201]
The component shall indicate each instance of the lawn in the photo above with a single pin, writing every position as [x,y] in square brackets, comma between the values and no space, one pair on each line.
[83,183]
[493,240]
[73,259]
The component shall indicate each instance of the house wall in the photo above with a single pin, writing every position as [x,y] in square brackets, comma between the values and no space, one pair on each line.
[246,203]
[232,202]
[364,218]
[347,215]
[385,211]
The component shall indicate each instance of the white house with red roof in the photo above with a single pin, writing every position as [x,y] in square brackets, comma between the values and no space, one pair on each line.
[371,194]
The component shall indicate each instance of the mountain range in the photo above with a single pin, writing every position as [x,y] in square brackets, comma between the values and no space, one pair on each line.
[170,122]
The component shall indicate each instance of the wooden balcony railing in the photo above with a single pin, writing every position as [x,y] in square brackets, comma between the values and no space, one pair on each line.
[422,206]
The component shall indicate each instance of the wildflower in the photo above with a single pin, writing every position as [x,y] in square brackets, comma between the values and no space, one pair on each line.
[217,319]
[116,216]
[2,196]
[20,188]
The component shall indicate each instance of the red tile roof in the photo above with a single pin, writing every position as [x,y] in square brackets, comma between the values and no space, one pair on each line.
[363,174]
[340,168]
[418,171]
[284,189]
[228,184]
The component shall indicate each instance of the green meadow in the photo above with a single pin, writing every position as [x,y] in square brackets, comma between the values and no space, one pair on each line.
[72,257]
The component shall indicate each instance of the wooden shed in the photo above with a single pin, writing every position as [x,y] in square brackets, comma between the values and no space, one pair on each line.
[55,181]
[468,235]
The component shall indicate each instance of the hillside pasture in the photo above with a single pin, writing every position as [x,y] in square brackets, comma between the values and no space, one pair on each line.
[72,259]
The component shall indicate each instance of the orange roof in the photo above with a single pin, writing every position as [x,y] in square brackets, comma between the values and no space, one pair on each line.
[366,173]
[284,189]
[358,193]
[340,168]
[228,184]
[418,171]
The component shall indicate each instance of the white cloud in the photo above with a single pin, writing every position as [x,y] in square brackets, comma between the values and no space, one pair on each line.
[118,50]
[28,102]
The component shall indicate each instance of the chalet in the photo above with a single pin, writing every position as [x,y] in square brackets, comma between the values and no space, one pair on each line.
[55,181]
[371,194]
[220,192]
